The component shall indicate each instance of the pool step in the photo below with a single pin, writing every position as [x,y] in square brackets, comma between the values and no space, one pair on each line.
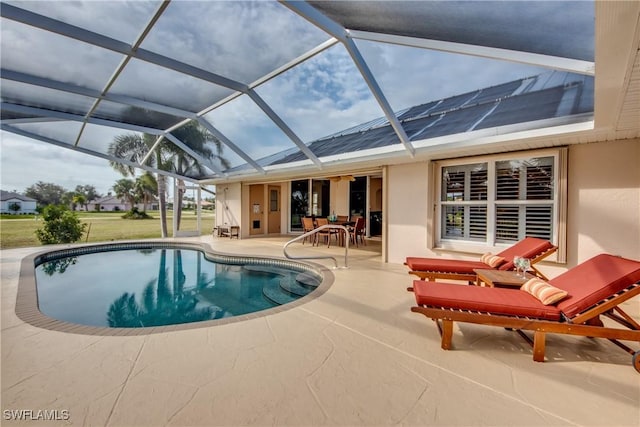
[273,291]
[263,269]
[294,287]
[282,289]
[309,280]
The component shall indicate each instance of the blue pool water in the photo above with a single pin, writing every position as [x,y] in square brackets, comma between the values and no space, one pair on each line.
[154,287]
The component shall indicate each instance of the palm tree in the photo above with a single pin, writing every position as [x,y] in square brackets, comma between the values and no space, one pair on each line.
[125,188]
[79,199]
[134,147]
[201,141]
[146,188]
[168,157]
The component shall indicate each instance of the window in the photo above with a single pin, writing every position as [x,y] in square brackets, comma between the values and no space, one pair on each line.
[464,202]
[499,200]
[273,201]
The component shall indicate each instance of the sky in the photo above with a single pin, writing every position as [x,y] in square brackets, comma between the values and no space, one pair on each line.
[25,161]
[239,40]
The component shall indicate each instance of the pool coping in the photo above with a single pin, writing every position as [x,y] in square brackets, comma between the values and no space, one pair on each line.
[27,309]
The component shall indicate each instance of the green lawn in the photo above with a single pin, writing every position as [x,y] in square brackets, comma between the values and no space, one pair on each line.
[18,231]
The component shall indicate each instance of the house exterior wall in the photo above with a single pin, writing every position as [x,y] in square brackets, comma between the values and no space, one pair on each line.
[114,206]
[229,207]
[26,206]
[340,197]
[406,211]
[604,200]
[603,206]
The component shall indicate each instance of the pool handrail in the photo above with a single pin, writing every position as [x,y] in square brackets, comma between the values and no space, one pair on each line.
[314,231]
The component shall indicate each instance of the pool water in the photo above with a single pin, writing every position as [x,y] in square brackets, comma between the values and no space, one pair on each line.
[155,287]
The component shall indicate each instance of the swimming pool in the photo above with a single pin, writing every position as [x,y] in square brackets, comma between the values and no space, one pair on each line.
[148,285]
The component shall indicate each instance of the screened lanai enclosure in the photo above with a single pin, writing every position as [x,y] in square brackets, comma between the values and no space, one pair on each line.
[292,87]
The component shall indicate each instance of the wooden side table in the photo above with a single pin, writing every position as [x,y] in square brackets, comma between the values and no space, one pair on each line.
[500,278]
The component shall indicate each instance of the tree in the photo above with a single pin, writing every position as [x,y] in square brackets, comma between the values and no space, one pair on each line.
[46,193]
[60,226]
[134,147]
[146,188]
[79,199]
[201,141]
[168,157]
[126,189]
[67,200]
[89,192]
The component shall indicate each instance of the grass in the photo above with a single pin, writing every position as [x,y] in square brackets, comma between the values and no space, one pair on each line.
[18,231]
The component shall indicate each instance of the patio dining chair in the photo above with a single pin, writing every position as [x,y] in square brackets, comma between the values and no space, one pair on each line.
[325,234]
[307,226]
[586,292]
[357,231]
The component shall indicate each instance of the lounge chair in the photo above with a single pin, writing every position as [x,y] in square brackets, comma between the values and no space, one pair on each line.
[596,287]
[435,268]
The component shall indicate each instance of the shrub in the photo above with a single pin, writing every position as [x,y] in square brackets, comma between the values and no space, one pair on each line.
[134,213]
[60,226]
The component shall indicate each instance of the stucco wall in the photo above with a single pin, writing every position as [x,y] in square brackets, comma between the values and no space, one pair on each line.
[340,197]
[228,206]
[603,200]
[603,210]
[406,210]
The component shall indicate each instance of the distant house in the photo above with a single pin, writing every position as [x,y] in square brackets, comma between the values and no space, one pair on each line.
[108,203]
[112,203]
[14,203]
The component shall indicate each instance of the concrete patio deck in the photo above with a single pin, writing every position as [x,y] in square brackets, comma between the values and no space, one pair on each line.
[355,355]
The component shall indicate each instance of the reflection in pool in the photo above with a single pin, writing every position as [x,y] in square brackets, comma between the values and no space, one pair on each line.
[163,286]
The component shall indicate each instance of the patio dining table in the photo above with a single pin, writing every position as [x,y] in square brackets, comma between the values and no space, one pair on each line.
[341,233]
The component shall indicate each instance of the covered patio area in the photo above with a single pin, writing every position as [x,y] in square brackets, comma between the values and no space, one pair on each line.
[355,355]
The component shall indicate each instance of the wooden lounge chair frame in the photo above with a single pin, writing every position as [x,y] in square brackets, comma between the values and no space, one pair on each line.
[471,277]
[586,323]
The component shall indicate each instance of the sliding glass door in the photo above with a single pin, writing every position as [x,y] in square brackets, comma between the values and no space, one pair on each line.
[299,203]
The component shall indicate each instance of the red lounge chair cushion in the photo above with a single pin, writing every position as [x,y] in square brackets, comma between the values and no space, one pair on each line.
[529,247]
[594,280]
[510,302]
[443,265]
[543,291]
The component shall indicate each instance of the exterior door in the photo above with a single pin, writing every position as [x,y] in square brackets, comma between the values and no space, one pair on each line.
[256,209]
[274,210]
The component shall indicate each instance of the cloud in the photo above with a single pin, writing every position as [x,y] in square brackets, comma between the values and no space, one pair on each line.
[25,162]
[412,76]
[120,19]
[240,40]
[322,95]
